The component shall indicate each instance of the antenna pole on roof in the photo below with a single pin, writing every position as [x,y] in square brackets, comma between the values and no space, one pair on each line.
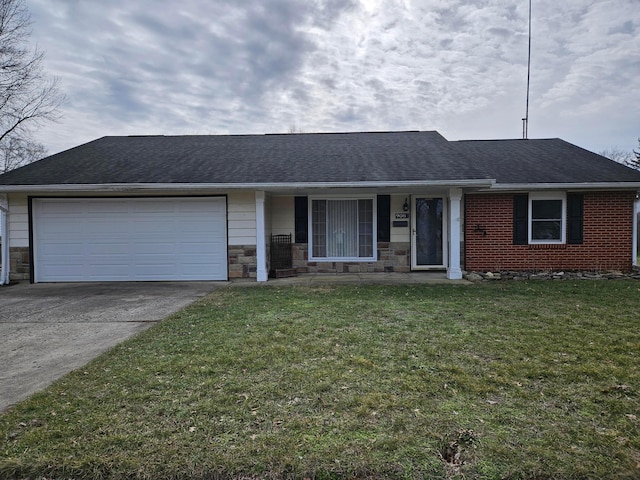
[525,120]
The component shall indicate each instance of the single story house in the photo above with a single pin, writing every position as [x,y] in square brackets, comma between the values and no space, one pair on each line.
[206,207]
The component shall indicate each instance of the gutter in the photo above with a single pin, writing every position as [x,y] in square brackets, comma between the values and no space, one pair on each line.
[127,187]
[481,185]
[504,187]
[4,233]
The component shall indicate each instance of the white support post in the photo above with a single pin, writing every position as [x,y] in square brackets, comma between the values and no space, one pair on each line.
[261,244]
[636,213]
[4,240]
[453,271]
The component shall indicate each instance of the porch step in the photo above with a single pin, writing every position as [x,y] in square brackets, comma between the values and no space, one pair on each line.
[286,272]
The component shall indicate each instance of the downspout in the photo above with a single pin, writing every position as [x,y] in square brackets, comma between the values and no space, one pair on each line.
[4,233]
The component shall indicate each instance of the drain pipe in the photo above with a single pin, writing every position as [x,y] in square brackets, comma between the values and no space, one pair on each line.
[4,233]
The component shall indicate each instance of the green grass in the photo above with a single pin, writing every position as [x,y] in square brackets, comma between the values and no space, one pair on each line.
[500,380]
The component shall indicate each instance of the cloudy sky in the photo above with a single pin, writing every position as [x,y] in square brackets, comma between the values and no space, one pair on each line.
[262,66]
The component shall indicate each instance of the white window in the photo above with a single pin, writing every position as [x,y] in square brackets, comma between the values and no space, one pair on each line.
[547,218]
[342,229]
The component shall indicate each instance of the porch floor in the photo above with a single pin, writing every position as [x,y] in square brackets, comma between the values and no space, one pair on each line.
[390,278]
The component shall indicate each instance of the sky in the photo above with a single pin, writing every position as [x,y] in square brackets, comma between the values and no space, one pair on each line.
[156,67]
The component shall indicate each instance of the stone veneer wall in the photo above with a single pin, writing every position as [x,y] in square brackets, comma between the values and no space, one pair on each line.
[242,261]
[392,257]
[19,263]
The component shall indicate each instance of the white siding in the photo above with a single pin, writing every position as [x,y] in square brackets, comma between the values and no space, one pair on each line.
[283,216]
[242,218]
[18,221]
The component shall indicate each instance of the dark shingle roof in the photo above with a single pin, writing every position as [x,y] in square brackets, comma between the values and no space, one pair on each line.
[310,158]
[542,161]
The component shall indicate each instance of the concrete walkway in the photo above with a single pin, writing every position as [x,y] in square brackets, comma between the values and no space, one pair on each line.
[391,278]
[48,330]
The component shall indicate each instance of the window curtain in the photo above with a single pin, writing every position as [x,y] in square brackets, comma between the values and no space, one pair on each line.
[342,228]
[342,238]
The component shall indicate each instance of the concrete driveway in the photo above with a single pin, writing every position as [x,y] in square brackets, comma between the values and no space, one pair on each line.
[47,330]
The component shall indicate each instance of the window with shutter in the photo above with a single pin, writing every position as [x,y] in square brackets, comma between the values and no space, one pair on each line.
[547,217]
[342,229]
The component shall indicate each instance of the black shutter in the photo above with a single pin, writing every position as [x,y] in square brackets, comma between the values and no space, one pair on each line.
[301,219]
[575,215]
[521,219]
[384,218]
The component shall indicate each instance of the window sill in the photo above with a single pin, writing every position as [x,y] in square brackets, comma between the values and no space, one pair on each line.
[547,246]
[343,259]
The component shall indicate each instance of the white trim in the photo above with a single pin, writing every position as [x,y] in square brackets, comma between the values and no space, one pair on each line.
[374,200]
[535,196]
[128,187]
[445,234]
[261,243]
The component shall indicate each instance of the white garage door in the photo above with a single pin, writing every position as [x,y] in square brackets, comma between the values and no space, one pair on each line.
[125,239]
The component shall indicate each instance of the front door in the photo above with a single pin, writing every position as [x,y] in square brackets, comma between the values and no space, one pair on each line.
[428,235]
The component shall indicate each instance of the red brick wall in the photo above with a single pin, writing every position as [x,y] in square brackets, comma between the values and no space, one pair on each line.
[607,240]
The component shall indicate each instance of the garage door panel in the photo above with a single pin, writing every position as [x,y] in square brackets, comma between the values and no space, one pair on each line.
[109,250]
[64,271]
[67,249]
[115,270]
[111,227]
[130,239]
[61,227]
[153,248]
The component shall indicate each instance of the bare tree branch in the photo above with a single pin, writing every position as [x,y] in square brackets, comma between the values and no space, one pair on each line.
[27,97]
[617,154]
[17,152]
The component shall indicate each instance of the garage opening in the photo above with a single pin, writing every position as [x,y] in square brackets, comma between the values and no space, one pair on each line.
[129,239]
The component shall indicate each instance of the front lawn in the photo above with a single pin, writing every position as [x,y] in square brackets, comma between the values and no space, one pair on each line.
[500,380]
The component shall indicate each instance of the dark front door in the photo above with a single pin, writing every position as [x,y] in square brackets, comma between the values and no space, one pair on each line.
[428,242]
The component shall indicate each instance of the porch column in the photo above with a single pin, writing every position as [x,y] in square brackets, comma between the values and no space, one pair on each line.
[454,272]
[636,232]
[4,239]
[261,244]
